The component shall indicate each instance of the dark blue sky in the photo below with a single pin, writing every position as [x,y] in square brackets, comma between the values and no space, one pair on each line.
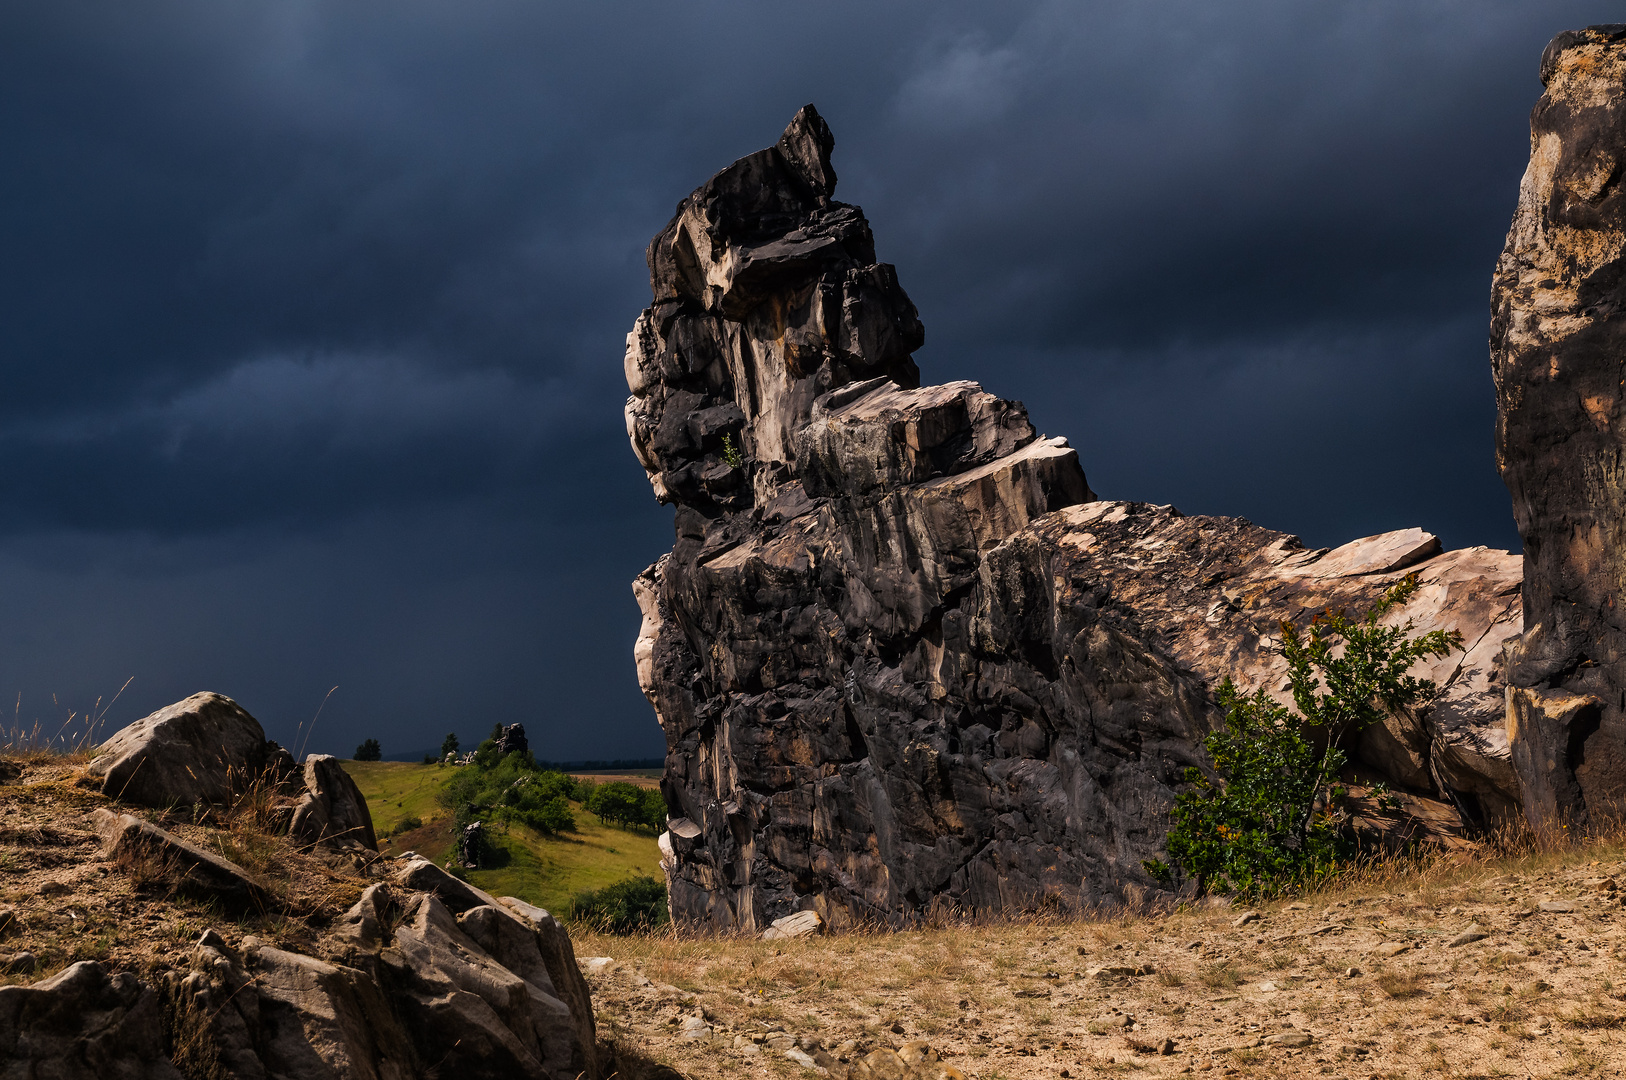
[312,314]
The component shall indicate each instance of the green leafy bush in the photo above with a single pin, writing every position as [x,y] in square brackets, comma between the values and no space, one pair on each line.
[632,906]
[369,750]
[1274,820]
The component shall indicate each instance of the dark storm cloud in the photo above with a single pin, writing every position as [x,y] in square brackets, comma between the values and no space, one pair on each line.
[311,314]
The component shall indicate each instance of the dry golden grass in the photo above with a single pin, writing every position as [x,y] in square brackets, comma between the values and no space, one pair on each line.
[1400,984]
[1011,998]
[1001,998]
[130,912]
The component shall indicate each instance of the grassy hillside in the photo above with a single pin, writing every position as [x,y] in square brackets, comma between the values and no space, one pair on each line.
[543,870]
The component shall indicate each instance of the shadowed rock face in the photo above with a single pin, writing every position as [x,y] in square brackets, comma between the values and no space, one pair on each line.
[1558,336]
[901,654]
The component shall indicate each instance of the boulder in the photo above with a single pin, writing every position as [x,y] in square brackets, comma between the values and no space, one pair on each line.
[203,749]
[420,875]
[1558,329]
[332,810]
[471,1014]
[84,1024]
[421,990]
[271,1013]
[800,925]
[903,658]
[153,852]
[564,977]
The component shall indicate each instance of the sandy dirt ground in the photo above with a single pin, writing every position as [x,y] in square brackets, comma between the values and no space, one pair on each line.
[1505,969]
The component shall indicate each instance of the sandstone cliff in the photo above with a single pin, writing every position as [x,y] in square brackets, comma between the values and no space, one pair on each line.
[901,654]
[1558,336]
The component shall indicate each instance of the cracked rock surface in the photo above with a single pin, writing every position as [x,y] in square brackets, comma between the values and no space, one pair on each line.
[1557,337]
[902,655]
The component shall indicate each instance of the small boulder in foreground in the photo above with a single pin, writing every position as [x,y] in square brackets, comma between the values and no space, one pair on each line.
[193,751]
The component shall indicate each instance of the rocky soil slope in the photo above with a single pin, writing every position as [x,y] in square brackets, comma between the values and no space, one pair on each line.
[242,924]
[1558,334]
[903,658]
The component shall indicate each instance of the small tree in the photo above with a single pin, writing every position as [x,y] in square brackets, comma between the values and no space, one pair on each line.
[555,816]
[653,805]
[1273,820]
[448,745]
[616,801]
[369,750]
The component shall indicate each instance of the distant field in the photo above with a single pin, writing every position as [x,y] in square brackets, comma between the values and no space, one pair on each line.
[541,870]
[644,778]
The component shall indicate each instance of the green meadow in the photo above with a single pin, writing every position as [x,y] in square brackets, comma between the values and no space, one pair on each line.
[543,870]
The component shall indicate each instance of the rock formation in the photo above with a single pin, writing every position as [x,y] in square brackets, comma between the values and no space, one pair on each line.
[84,1023]
[486,990]
[424,975]
[513,740]
[1558,335]
[901,654]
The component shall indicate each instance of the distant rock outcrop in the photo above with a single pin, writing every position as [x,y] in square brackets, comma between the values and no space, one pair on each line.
[513,740]
[1558,335]
[901,655]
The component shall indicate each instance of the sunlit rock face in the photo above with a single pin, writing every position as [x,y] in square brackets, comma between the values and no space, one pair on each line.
[902,656]
[1558,352]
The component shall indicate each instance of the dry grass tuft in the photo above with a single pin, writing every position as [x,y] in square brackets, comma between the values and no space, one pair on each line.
[1220,975]
[1590,1018]
[1400,984]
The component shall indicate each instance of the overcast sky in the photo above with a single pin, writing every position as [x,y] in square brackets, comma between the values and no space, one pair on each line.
[312,314]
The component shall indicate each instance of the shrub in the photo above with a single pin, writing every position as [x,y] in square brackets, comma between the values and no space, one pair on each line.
[731,453]
[555,816]
[1274,819]
[513,789]
[406,825]
[628,907]
[369,750]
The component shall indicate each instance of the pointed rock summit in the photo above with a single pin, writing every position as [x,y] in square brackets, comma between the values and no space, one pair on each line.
[903,657]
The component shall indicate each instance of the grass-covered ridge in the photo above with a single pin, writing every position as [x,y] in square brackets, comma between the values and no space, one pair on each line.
[538,868]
